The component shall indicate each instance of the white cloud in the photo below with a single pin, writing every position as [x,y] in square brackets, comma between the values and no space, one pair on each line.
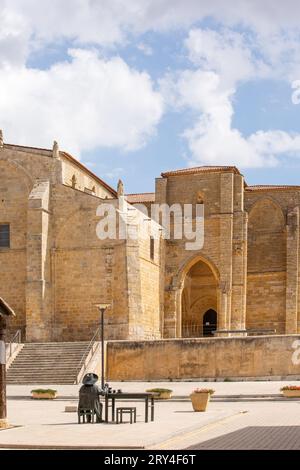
[84,103]
[14,37]
[90,102]
[227,53]
[225,61]
[110,21]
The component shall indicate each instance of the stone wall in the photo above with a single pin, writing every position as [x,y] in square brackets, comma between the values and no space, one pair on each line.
[266,302]
[143,271]
[150,288]
[57,269]
[273,259]
[85,270]
[83,180]
[224,250]
[15,187]
[204,358]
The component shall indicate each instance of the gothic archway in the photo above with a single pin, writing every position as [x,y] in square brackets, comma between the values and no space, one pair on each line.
[198,296]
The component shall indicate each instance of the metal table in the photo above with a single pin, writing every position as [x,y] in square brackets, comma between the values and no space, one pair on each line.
[147,397]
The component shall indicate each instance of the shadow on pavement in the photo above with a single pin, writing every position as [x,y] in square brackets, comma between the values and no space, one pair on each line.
[255,438]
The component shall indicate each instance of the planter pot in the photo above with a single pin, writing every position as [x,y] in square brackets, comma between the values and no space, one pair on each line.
[43,396]
[200,401]
[161,395]
[164,395]
[4,424]
[291,393]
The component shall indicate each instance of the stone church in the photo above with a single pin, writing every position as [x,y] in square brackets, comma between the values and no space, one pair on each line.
[54,270]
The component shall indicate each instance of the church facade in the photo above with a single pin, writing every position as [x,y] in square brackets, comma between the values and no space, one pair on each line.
[55,269]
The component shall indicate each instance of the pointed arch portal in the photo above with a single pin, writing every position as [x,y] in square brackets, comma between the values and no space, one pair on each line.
[199,301]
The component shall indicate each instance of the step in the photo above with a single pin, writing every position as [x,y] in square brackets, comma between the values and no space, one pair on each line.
[44,372]
[56,351]
[46,381]
[48,363]
[45,359]
[53,357]
[41,372]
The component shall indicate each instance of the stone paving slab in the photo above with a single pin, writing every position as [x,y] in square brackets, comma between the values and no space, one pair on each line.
[256,438]
[45,424]
[276,426]
[176,426]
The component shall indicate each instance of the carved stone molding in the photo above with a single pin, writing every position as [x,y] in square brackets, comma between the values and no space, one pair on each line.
[238,247]
[224,287]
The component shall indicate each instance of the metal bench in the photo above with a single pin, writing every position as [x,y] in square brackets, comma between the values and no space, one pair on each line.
[126,410]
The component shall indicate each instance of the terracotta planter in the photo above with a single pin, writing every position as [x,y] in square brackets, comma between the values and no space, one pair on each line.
[291,393]
[200,401]
[43,396]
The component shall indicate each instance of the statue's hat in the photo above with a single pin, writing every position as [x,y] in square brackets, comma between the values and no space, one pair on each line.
[90,379]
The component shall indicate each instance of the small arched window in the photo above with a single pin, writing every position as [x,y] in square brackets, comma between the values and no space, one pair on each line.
[200,198]
[152,246]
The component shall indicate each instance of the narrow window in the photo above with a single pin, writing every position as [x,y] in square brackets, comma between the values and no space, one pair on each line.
[4,236]
[152,248]
[74,181]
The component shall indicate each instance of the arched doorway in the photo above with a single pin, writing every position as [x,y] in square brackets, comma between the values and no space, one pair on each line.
[209,322]
[199,298]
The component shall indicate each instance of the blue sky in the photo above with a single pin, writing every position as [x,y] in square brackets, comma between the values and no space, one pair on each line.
[139,87]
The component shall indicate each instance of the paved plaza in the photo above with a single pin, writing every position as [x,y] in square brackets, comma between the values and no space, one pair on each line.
[241,415]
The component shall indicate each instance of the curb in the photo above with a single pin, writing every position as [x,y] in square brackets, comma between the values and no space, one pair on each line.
[67,447]
[215,397]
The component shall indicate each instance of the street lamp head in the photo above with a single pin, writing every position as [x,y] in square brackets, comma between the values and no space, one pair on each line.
[102,306]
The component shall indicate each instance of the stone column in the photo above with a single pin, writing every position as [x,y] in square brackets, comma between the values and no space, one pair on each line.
[292,260]
[172,316]
[225,263]
[223,294]
[239,272]
[135,307]
[38,307]
[171,320]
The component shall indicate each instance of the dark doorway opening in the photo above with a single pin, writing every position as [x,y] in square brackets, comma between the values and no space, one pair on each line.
[209,322]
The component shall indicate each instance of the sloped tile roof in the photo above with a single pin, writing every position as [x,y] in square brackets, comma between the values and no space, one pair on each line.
[202,169]
[140,197]
[269,187]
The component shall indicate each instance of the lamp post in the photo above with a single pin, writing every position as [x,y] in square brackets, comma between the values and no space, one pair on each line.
[5,312]
[3,421]
[102,308]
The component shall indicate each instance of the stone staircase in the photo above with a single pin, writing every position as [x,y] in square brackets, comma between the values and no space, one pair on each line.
[47,363]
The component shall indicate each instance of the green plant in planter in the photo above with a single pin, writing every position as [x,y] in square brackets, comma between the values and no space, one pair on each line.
[290,387]
[210,391]
[42,393]
[291,391]
[164,393]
